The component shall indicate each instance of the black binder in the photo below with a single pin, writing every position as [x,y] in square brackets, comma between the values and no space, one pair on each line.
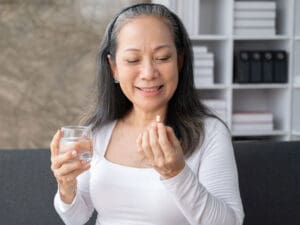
[255,67]
[280,67]
[242,67]
[267,67]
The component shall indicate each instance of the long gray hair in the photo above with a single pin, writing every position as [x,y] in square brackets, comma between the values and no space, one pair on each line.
[185,113]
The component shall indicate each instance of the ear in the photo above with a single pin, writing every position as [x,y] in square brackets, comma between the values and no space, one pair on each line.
[112,66]
[180,60]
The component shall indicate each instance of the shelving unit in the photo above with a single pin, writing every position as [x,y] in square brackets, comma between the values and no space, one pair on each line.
[216,18]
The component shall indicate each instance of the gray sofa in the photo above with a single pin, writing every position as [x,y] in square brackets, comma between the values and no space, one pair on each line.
[269,175]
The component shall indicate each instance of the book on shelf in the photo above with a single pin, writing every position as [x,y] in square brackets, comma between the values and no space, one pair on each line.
[201,81]
[255,23]
[203,63]
[203,71]
[267,67]
[171,4]
[208,55]
[252,117]
[255,5]
[248,14]
[254,31]
[199,49]
[255,67]
[280,67]
[242,127]
[187,11]
[242,67]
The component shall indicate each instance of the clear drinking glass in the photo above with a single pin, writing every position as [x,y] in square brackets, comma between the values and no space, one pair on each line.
[73,134]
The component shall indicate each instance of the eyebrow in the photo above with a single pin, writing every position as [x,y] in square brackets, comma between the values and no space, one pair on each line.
[155,49]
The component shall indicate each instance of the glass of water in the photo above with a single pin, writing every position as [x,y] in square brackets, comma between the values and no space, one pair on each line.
[73,134]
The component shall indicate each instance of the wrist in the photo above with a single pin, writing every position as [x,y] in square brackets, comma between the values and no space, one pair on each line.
[67,196]
[174,172]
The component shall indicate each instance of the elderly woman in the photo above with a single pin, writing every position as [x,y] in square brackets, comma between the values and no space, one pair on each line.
[160,157]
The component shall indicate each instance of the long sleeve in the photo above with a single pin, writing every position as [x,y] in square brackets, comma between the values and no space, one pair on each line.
[81,209]
[207,190]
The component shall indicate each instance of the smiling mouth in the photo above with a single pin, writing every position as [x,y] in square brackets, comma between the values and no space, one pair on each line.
[150,89]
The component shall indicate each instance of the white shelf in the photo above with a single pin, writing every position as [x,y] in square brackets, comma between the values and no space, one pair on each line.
[259,133]
[260,86]
[296,133]
[261,37]
[216,32]
[297,38]
[208,37]
[213,87]
[297,86]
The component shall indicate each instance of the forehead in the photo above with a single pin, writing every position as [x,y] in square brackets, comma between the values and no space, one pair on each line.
[141,30]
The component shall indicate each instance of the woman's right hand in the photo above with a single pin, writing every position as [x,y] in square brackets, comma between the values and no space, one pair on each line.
[66,167]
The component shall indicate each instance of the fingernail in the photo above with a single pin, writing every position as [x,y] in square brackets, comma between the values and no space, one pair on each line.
[152,124]
[157,118]
[74,153]
[83,162]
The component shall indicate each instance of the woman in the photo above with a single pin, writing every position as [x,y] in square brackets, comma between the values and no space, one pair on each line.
[179,169]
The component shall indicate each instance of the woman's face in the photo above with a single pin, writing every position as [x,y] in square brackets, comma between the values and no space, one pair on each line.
[146,64]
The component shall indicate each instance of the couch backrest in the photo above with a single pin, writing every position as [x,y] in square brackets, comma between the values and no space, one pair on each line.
[269,175]
[27,188]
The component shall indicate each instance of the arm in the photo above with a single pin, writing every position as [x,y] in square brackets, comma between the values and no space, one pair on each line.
[81,208]
[211,194]
[72,201]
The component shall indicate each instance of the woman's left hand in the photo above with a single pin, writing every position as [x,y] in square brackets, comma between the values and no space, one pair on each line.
[162,149]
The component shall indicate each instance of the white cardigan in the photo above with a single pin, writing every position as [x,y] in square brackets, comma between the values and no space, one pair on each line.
[205,192]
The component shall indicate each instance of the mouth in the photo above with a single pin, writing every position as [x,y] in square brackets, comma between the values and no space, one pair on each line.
[150,89]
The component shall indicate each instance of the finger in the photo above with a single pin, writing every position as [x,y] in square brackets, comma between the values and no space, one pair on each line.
[71,177]
[172,137]
[146,146]
[163,137]
[155,146]
[63,158]
[70,167]
[54,146]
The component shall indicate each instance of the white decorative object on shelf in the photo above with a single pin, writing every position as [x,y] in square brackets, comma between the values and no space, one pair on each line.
[203,66]
[250,117]
[188,12]
[252,121]
[255,5]
[254,18]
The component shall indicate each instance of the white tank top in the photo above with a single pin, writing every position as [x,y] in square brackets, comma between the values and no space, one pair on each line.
[129,195]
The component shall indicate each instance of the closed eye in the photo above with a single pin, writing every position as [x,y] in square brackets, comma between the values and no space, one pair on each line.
[163,59]
[132,61]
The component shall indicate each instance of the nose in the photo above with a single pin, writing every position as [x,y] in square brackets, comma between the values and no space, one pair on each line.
[148,70]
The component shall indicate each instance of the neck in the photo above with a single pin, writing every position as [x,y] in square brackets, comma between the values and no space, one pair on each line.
[141,119]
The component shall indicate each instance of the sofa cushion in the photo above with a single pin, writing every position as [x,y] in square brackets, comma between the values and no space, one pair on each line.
[27,188]
[269,177]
